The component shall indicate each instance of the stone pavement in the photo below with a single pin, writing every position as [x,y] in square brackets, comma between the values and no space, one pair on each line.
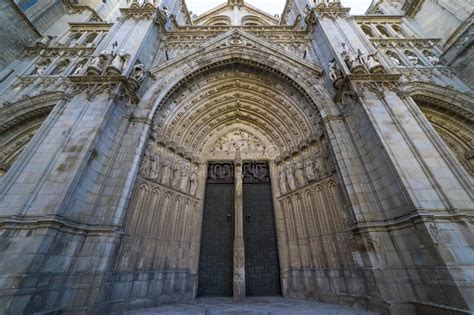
[251,306]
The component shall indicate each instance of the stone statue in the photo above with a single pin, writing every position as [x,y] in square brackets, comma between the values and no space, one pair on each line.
[351,60]
[98,62]
[145,167]
[413,60]
[300,178]
[184,181]
[282,179]
[309,169]
[358,58]
[155,166]
[290,176]
[138,72]
[40,68]
[334,72]
[78,69]
[434,60]
[372,60]
[177,176]
[193,183]
[395,61]
[166,173]
[118,62]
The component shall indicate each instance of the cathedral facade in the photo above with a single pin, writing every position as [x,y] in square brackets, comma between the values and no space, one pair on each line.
[149,155]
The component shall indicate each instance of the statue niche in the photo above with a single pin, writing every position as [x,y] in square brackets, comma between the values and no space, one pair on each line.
[310,165]
[164,167]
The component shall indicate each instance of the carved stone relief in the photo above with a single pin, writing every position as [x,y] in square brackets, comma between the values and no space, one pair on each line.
[167,168]
[311,164]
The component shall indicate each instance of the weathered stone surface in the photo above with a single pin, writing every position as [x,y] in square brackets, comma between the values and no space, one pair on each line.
[107,126]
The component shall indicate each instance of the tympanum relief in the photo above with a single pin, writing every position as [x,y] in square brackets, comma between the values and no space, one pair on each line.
[249,145]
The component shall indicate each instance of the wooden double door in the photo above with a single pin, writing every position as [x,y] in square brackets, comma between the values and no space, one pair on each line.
[262,272]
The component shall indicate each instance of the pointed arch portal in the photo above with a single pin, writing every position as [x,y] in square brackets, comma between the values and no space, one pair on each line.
[248,234]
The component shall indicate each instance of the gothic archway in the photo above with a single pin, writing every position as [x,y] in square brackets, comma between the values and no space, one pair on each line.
[19,123]
[202,111]
[450,113]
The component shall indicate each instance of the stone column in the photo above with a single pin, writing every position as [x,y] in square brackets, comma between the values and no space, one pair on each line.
[239,249]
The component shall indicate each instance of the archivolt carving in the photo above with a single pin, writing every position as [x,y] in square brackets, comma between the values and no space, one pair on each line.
[457,132]
[19,123]
[225,97]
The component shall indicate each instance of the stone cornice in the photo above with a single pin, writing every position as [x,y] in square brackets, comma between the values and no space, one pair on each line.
[378,77]
[378,18]
[93,84]
[138,13]
[405,42]
[332,10]
[96,27]
[60,51]
[59,223]
[420,216]
[222,29]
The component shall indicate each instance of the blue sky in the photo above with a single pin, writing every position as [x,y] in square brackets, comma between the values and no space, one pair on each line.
[271,6]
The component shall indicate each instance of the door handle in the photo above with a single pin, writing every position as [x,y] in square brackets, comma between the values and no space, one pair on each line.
[248,218]
[229,218]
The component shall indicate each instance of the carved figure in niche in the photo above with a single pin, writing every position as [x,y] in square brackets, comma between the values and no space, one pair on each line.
[78,69]
[138,72]
[434,60]
[193,183]
[372,60]
[290,176]
[177,175]
[98,62]
[395,61]
[320,167]
[300,178]
[40,68]
[166,173]
[184,181]
[358,58]
[155,166]
[145,167]
[282,180]
[351,60]
[334,71]
[309,169]
[118,62]
[413,59]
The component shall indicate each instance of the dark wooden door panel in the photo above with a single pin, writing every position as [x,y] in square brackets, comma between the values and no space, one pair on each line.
[262,271]
[217,236]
